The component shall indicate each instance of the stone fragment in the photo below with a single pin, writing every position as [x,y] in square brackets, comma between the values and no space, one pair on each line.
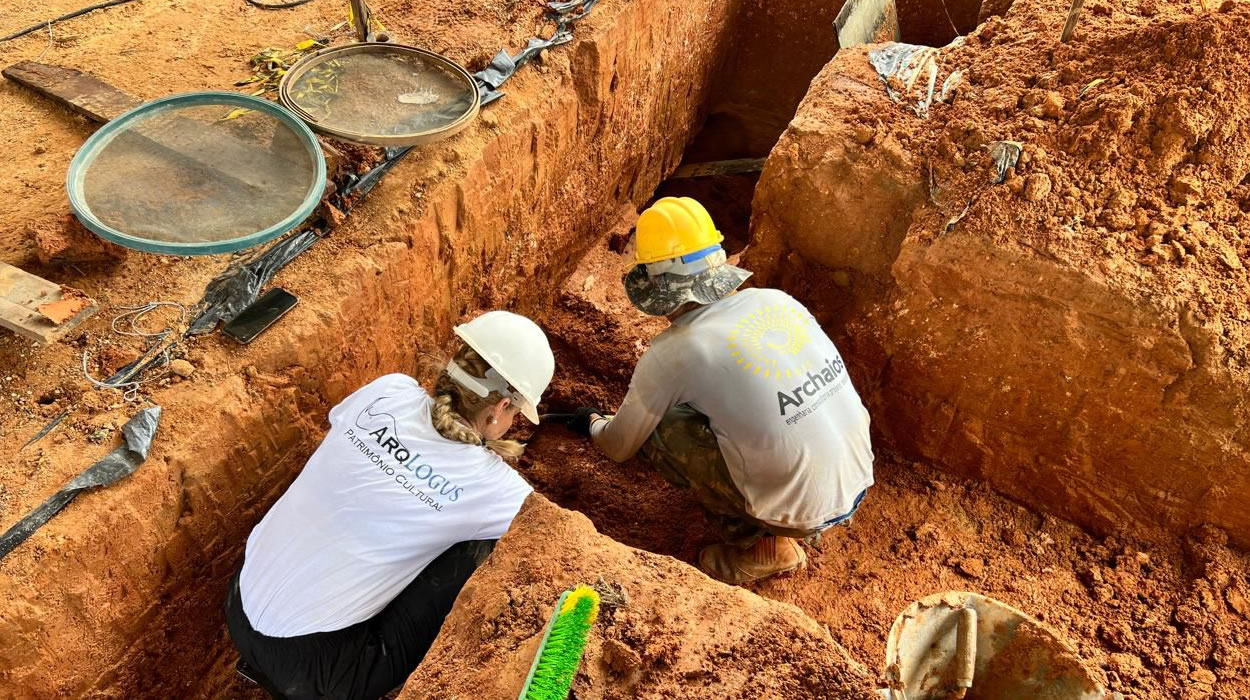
[1129,666]
[1237,601]
[620,658]
[1036,187]
[1203,676]
[182,368]
[1048,104]
[1186,190]
[972,568]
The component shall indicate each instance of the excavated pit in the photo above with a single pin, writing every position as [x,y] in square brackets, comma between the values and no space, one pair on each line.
[120,595]
[1076,336]
[1148,616]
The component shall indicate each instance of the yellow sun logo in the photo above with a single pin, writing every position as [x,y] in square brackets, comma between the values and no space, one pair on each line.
[768,342]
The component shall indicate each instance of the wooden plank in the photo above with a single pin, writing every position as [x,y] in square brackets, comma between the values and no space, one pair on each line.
[1073,11]
[739,166]
[37,309]
[82,92]
[97,100]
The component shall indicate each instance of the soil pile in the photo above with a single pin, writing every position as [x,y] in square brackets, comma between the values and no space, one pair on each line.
[664,631]
[1159,619]
[1079,334]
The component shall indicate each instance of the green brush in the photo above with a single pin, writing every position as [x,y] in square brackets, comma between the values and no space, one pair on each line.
[560,652]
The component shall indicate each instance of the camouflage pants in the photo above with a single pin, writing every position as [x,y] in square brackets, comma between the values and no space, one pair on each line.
[684,450]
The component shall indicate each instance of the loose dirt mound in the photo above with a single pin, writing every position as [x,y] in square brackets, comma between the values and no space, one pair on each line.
[665,631]
[1080,334]
[1162,619]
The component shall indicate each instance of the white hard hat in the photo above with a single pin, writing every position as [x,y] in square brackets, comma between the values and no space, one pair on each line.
[518,353]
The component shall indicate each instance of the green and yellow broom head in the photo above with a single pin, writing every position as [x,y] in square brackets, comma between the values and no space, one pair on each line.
[555,664]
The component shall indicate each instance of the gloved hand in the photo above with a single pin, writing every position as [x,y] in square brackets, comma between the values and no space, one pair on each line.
[580,423]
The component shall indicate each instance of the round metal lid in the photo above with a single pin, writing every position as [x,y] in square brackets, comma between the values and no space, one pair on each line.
[381,94]
[196,174]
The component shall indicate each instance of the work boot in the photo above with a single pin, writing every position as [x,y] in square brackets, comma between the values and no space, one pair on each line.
[767,557]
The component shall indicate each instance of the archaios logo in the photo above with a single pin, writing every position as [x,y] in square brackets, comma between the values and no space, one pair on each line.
[383,428]
[769,342]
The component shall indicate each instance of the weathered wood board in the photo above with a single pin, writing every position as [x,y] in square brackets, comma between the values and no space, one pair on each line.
[738,166]
[82,92]
[37,309]
[97,100]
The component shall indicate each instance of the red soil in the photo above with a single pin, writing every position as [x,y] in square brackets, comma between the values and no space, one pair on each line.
[1079,336]
[1161,619]
[664,630]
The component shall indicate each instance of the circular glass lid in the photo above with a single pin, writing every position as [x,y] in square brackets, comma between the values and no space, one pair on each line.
[194,174]
[382,94]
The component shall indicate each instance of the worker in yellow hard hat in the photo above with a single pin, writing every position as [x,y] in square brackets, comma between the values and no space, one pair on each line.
[744,400]
[679,259]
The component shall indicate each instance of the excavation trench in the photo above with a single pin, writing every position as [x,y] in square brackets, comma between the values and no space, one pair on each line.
[1118,600]
[120,595]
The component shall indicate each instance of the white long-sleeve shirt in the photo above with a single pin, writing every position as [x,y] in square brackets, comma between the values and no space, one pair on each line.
[381,498]
[790,425]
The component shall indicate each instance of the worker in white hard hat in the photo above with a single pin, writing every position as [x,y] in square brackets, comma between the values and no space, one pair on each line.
[743,399]
[348,577]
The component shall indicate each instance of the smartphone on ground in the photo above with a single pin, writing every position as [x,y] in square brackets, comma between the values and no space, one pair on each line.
[263,313]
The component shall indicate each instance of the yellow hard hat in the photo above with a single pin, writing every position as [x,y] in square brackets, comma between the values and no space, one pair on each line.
[673,227]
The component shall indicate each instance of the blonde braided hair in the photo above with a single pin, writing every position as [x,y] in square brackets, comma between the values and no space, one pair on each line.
[453,404]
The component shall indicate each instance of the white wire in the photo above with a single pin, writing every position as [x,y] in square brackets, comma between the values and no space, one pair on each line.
[130,389]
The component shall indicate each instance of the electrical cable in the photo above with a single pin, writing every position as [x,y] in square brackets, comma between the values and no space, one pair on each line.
[126,379]
[276,6]
[40,25]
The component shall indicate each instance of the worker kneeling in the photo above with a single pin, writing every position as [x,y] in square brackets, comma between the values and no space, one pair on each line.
[349,576]
[744,400]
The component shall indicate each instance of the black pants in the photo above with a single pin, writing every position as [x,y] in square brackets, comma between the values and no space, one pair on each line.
[366,660]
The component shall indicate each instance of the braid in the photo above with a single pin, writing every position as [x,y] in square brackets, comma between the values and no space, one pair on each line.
[449,408]
[449,424]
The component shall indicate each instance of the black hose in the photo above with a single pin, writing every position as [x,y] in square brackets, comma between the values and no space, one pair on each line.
[40,25]
[276,6]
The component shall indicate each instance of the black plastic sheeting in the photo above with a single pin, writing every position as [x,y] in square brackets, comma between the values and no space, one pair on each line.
[121,462]
[237,288]
[502,66]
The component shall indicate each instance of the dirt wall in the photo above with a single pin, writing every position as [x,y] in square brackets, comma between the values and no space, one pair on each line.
[119,596]
[664,631]
[776,49]
[1159,617]
[1044,334]
[936,23]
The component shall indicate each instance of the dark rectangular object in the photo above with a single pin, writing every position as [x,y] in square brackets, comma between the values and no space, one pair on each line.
[262,314]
